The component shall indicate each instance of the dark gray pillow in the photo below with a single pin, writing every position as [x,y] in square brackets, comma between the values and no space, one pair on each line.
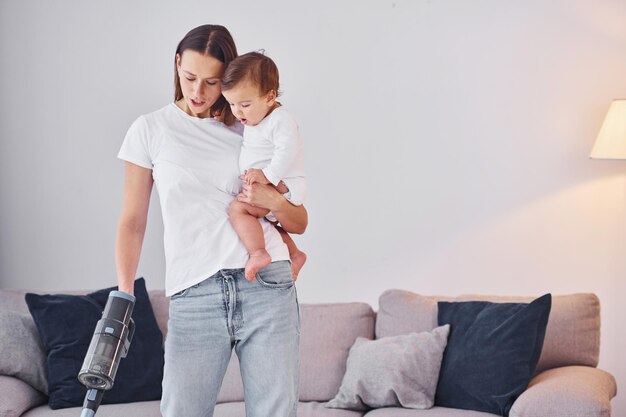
[21,350]
[492,352]
[392,371]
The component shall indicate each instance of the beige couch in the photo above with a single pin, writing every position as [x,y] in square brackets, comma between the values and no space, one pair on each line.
[567,382]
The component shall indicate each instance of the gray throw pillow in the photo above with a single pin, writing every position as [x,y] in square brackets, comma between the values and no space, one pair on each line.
[21,350]
[400,371]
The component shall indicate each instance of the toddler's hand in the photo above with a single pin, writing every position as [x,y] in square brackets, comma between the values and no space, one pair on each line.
[217,115]
[282,188]
[254,175]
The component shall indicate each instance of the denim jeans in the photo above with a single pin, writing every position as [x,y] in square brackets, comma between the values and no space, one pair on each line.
[259,319]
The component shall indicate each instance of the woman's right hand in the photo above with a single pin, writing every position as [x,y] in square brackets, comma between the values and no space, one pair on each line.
[127,291]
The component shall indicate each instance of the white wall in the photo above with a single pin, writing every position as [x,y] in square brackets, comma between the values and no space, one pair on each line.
[447,141]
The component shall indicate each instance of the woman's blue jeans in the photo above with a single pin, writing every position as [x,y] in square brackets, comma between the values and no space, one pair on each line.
[259,319]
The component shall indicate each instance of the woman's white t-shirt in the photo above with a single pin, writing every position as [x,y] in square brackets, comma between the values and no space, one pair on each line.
[195,166]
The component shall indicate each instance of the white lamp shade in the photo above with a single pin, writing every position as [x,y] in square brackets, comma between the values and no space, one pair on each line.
[611,141]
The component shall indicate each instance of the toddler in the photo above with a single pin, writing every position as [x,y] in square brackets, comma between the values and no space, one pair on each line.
[272,153]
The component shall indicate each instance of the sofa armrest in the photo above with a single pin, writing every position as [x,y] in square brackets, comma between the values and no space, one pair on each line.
[16,397]
[568,391]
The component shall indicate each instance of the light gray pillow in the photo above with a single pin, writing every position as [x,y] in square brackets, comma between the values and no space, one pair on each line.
[21,350]
[18,397]
[393,371]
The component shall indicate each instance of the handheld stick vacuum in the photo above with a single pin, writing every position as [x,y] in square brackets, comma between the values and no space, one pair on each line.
[109,344]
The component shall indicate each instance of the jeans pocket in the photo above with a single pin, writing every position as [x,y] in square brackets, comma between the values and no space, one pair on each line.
[185,292]
[280,277]
[180,294]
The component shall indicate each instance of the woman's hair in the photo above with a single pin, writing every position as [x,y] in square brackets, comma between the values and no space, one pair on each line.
[217,42]
[253,67]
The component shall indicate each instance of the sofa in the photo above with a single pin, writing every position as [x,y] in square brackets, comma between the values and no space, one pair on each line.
[566,381]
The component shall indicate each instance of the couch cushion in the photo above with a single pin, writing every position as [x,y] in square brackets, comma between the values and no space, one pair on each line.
[394,371]
[305,409]
[431,412]
[137,409]
[316,409]
[328,331]
[572,335]
[21,351]
[492,352]
[66,324]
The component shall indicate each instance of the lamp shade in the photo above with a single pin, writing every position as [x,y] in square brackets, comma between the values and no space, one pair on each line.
[611,141]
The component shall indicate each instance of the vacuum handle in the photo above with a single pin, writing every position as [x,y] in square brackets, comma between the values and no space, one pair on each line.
[91,403]
[129,337]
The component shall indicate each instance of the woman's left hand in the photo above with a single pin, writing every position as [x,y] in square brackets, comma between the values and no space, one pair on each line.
[260,195]
[293,219]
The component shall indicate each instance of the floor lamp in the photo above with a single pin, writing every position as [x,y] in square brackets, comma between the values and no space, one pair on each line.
[611,140]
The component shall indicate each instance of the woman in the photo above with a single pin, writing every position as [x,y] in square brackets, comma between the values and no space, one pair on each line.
[189,149]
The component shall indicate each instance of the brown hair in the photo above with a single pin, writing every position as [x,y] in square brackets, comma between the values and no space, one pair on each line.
[254,67]
[217,42]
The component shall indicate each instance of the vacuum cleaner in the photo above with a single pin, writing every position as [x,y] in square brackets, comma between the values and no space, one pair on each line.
[109,344]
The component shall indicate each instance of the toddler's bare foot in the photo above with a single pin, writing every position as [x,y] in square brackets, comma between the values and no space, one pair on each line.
[259,259]
[297,261]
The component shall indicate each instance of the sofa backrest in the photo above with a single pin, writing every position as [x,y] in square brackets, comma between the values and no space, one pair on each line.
[13,300]
[160,306]
[572,335]
[329,330]
[327,333]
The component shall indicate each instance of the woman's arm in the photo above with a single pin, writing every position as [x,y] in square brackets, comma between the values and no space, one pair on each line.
[132,224]
[293,219]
